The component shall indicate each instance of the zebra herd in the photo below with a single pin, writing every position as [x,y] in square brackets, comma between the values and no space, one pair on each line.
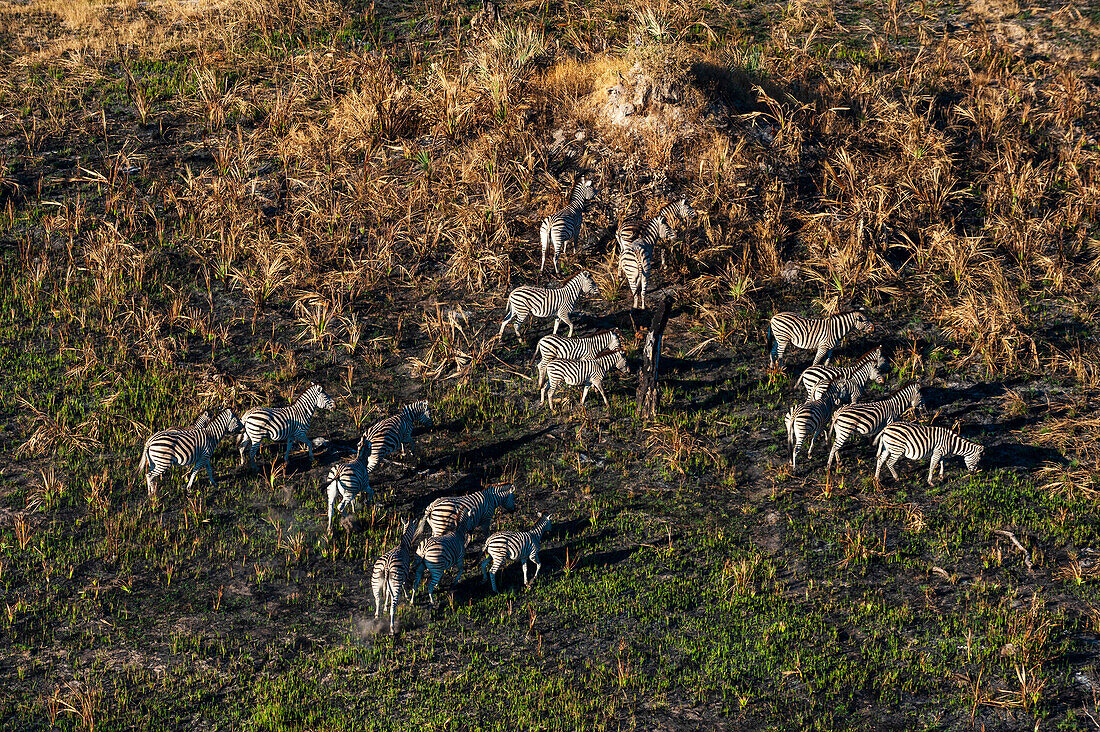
[438,541]
[435,543]
[833,393]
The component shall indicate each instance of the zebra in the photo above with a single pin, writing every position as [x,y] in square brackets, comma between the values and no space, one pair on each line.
[553,346]
[628,232]
[395,432]
[528,300]
[822,334]
[634,264]
[870,417]
[283,423]
[564,227]
[192,446]
[442,514]
[390,575]
[575,372]
[918,441]
[809,420]
[440,553]
[505,547]
[347,479]
[867,367]
[645,233]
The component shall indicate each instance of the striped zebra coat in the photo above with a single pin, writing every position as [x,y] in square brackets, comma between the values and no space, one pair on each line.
[283,423]
[443,514]
[505,547]
[564,227]
[396,432]
[389,577]
[440,553]
[191,447]
[819,334]
[870,417]
[809,420]
[634,265]
[347,479]
[553,346]
[587,373]
[867,367]
[629,231]
[919,441]
[530,301]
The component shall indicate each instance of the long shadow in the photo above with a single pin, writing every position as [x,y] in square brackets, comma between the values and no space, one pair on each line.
[465,485]
[1016,455]
[937,397]
[487,453]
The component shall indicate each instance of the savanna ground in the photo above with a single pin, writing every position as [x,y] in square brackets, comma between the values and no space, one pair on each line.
[213,203]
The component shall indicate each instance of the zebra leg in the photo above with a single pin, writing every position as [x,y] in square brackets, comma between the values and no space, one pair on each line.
[191,480]
[331,503]
[393,613]
[598,386]
[508,316]
[524,571]
[936,458]
[538,564]
[584,395]
[881,458]
[150,484]
[564,317]
[309,446]
[485,569]
[436,575]
[210,474]
[892,462]
[252,455]
[822,352]
[780,349]
[833,455]
[557,322]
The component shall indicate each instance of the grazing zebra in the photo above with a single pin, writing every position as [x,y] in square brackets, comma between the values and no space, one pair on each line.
[867,367]
[564,227]
[634,264]
[505,547]
[918,441]
[870,417]
[539,302]
[442,514]
[193,446]
[553,346]
[395,432]
[576,372]
[644,234]
[809,420]
[440,553]
[630,231]
[822,334]
[348,479]
[283,423]
[390,576]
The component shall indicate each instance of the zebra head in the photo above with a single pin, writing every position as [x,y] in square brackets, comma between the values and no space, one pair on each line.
[916,400]
[972,457]
[615,338]
[584,279]
[862,323]
[320,399]
[420,411]
[620,363]
[508,499]
[233,424]
[685,210]
[363,448]
[584,191]
[546,521]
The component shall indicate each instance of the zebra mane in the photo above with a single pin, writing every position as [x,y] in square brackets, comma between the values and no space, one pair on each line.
[866,357]
[575,276]
[905,386]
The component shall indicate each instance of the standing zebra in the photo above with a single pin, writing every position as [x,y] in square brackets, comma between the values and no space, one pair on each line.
[390,576]
[395,432]
[575,372]
[531,301]
[347,479]
[283,423]
[867,367]
[809,420]
[822,334]
[553,346]
[918,441]
[442,514]
[870,417]
[629,231]
[634,264]
[440,553]
[564,227]
[193,446]
[505,547]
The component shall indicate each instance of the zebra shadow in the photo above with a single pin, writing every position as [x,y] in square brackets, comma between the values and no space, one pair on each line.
[1018,456]
[485,454]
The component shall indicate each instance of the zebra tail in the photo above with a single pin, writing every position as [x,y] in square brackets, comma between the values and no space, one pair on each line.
[143,463]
